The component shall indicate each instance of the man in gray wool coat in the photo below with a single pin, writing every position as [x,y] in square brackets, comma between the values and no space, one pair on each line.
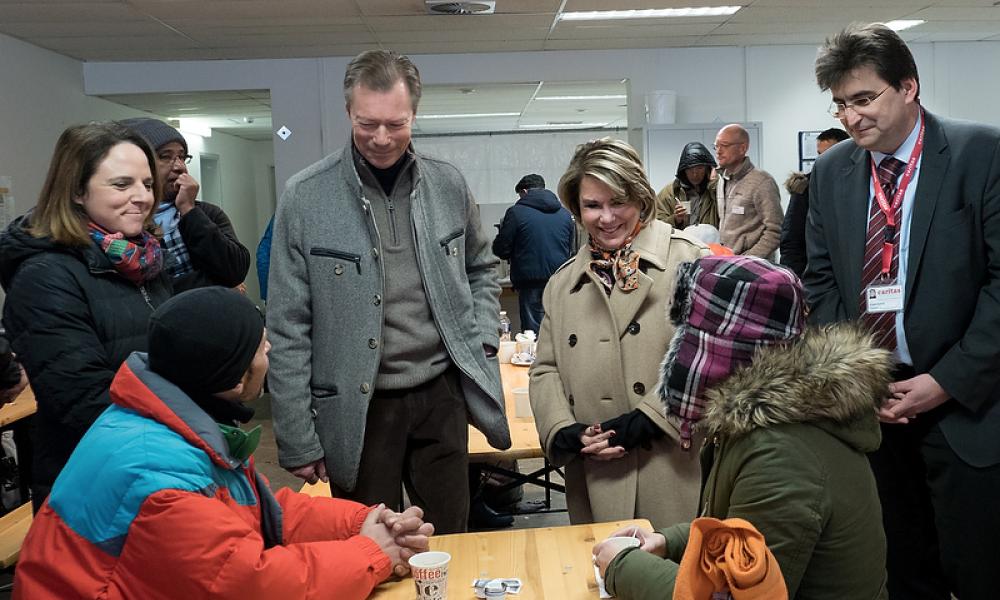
[383,311]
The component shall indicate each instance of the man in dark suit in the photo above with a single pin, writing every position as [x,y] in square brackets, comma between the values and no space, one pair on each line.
[911,248]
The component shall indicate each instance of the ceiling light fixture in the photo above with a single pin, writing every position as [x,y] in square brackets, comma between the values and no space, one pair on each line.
[597,97]
[567,125]
[901,24]
[470,115]
[649,13]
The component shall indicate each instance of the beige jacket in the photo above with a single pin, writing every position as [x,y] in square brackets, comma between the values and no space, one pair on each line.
[599,357]
[750,213]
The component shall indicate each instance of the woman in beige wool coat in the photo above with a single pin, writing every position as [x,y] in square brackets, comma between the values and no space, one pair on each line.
[604,334]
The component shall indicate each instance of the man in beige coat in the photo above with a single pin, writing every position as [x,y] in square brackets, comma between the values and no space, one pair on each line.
[748,200]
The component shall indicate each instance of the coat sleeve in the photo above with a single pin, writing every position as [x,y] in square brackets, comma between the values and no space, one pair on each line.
[213,245]
[767,200]
[289,325]
[642,576]
[314,519]
[264,258]
[968,370]
[665,204]
[548,399]
[49,317]
[503,244]
[793,233]
[819,280]
[481,270]
[202,548]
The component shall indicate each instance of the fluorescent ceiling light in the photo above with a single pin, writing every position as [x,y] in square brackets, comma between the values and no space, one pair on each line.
[470,115]
[902,24]
[649,13]
[574,125]
[605,97]
[195,126]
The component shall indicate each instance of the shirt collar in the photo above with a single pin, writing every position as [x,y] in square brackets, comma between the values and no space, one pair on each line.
[906,149]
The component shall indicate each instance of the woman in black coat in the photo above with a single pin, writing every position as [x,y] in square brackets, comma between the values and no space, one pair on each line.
[82,273]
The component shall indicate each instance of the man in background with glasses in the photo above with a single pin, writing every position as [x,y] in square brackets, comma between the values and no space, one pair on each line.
[748,200]
[203,247]
[903,235]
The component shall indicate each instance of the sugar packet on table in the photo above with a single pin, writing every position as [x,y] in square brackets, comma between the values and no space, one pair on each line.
[511,585]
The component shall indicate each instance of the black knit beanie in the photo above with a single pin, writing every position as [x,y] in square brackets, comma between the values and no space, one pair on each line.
[156,132]
[204,340]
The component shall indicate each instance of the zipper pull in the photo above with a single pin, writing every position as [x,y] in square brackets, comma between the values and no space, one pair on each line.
[145,296]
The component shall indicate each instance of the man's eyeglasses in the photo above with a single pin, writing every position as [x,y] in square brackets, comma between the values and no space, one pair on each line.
[718,145]
[170,158]
[839,109]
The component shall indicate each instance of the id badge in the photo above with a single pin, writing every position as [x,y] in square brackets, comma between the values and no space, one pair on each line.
[884,297]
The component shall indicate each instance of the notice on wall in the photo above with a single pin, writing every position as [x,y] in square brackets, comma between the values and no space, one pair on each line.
[6,201]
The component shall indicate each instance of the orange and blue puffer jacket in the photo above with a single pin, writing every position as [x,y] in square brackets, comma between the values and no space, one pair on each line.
[152,505]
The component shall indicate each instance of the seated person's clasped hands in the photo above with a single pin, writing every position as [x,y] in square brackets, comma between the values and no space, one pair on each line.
[400,535]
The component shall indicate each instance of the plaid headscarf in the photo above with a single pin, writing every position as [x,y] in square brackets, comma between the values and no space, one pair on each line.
[725,308]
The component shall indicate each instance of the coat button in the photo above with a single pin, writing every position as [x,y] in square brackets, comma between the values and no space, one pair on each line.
[376,299]
[572,340]
[339,269]
[372,343]
[374,252]
[633,328]
[638,388]
[365,388]
[571,403]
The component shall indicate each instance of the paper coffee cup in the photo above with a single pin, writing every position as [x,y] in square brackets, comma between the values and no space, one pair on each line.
[505,351]
[522,404]
[620,543]
[430,574]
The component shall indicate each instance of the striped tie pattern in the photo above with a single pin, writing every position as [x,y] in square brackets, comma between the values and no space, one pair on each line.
[882,325]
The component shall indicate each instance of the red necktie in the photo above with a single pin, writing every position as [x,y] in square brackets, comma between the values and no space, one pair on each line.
[882,325]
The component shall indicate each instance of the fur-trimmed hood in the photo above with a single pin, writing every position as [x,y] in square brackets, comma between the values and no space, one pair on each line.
[831,377]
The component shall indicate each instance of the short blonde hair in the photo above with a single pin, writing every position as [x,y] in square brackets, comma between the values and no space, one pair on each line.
[78,153]
[615,164]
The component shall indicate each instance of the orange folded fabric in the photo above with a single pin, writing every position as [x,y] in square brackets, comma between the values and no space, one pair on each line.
[728,556]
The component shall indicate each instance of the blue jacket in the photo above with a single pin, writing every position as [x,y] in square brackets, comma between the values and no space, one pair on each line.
[264,258]
[536,236]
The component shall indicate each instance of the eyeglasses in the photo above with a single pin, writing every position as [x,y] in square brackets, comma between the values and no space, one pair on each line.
[839,109]
[718,145]
[170,158]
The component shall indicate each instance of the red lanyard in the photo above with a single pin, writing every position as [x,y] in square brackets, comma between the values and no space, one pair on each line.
[889,240]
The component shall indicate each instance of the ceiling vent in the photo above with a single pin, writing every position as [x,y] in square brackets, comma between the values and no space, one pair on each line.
[439,7]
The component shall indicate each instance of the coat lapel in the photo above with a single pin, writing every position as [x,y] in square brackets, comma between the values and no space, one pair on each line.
[625,306]
[852,209]
[933,165]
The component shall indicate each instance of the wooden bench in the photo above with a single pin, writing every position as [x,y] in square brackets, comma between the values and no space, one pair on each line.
[13,527]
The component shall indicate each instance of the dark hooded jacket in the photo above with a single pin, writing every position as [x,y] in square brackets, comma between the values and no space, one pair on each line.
[72,320]
[536,236]
[694,154]
[793,228]
[787,438]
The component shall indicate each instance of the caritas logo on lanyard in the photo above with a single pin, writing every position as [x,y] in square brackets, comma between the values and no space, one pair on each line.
[888,296]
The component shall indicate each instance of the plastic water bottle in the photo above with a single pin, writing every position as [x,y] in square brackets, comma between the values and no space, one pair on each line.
[504,327]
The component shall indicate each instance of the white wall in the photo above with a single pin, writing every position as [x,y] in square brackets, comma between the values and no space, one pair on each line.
[42,94]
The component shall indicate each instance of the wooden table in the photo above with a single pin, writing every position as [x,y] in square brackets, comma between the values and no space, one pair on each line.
[22,406]
[553,563]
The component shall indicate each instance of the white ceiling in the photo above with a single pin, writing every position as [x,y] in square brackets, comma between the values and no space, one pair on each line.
[140,30]
[130,30]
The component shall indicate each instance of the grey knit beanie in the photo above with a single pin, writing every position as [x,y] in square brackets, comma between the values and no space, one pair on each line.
[156,132]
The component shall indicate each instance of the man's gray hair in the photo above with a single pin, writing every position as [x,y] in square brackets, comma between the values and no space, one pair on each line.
[380,70]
